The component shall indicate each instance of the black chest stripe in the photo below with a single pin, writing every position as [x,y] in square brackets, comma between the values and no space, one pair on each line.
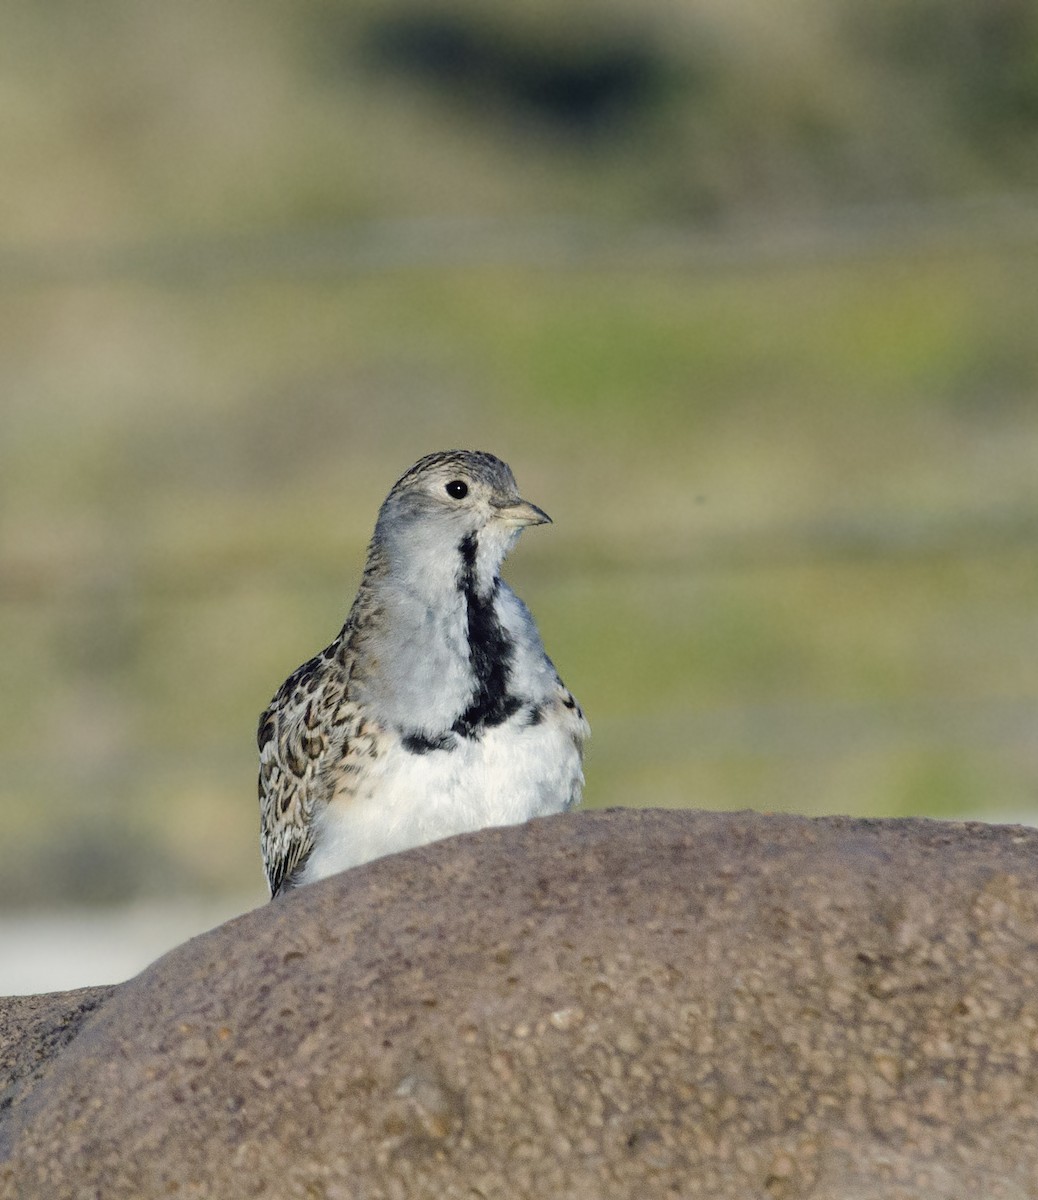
[418,743]
[490,652]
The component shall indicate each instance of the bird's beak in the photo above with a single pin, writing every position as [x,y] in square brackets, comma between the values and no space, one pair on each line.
[523,513]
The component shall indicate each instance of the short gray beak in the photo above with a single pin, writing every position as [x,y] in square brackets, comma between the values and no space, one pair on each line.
[523,513]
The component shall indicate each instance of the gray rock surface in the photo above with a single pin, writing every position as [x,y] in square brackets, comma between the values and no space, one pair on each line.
[32,1030]
[624,1004]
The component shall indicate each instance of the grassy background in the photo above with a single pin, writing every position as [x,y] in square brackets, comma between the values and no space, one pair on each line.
[746,299]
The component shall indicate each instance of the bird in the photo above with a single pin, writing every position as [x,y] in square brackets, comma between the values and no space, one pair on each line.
[436,709]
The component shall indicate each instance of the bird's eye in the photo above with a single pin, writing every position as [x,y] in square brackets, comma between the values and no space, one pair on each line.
[457,488]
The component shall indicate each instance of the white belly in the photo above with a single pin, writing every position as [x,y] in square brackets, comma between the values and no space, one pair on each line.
[507,776]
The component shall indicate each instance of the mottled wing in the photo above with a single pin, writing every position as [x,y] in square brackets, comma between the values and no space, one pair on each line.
[579,730]
[300,735]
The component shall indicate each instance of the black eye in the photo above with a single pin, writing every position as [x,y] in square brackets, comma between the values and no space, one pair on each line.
[457,488]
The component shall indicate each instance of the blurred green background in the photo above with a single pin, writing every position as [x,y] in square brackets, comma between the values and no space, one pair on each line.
[746,294]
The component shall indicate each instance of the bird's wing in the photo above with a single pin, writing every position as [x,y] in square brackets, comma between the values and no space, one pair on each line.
[304,729]
[576,724]
[579,728]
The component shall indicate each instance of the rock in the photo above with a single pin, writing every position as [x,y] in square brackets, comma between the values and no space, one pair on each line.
[32,1030]
[600,1005]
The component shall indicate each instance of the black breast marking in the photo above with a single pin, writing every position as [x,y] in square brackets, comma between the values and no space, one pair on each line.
[418,743]
[490,653]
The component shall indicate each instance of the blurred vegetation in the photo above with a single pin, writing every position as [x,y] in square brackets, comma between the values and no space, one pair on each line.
[744,294]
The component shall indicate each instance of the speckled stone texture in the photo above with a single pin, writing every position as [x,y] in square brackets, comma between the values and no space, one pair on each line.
[624,1004]
[32,1030]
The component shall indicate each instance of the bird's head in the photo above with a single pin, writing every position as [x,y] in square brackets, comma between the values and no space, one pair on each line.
[455,502]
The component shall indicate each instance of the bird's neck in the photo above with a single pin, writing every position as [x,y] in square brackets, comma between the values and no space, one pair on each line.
[433,652]
[433,568]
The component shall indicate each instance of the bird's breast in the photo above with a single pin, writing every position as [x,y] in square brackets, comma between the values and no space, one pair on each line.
[455,664]
[513,772]
[417,672]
